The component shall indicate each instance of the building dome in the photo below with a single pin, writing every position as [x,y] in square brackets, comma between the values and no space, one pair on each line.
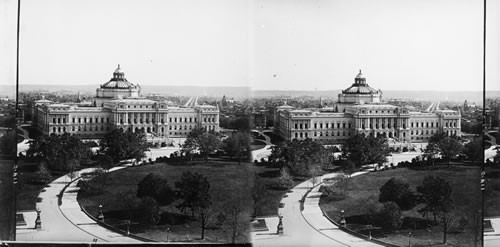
[118,80]
[359,86]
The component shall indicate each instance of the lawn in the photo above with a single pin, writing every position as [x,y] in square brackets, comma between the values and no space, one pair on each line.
[466,196]
[257,144]
[227,179]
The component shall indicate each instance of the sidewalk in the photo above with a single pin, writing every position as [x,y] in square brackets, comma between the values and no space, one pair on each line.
[304,228]
[492,239]
[65,222]
[314,216]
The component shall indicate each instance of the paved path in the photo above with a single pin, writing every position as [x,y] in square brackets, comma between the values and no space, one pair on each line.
[492,140]
[265,151]
[306,228]
[65,222]
[492,239]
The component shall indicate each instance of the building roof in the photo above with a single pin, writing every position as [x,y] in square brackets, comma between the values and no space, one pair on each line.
[360,86]
[118,81]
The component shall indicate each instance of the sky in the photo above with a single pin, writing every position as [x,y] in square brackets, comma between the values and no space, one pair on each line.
[263,44]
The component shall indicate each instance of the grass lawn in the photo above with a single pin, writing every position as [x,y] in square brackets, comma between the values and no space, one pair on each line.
[257,144]
[227,179]
[492,195]
[466,196]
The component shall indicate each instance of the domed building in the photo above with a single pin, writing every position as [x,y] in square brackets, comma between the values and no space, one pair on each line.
[360,92]
[118,104]
[116,88]
[360,110]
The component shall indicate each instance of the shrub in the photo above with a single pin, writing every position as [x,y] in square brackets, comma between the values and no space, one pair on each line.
[390,216]
[285,181]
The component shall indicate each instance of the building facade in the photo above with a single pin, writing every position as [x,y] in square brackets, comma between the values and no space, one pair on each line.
[360,110]
[118,104]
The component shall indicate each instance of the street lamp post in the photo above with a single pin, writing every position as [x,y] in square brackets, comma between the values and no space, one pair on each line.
[128,228]
[342,218]
[100,217]
[280,225]
[38,221]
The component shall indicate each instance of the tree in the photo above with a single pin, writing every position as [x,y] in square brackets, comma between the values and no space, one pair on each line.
[43,173]
[372,208]
[8,143]
[105,161]
[447,221]
[237,145]
[193,190]
[435,194]
[150,210]
[397,191]
[299,155]
[236,222]
[205,214]
[431,150]
[391,216]
[285,181]
[314,171]
[122,145]
[189,147]
[207,143]
[129,202]
[474,150]
[156,187]
[449,148]
[59,150]
[364,150]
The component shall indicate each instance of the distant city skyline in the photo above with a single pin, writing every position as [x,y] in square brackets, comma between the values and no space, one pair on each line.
[262,44]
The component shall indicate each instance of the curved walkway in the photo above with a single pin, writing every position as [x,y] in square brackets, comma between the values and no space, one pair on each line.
[265,151]
[65,222]
[305,228]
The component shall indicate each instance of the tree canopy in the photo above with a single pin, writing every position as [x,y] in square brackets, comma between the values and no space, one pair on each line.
[397,191]
[199,139]
[435,194]
[193,190]
[237,145]
[59,151]
[474,150]
[364,150]
[299,155]
[449,148]
[156,187]
[122,145]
